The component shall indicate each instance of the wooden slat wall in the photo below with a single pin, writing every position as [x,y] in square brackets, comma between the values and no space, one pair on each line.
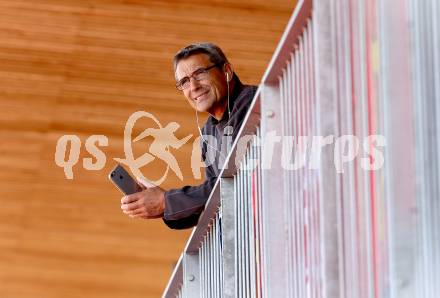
[83,67]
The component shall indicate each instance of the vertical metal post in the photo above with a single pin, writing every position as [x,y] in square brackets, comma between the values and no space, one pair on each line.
[425,71]
[396,104]
[259,224]
[191,282]
[202,265]
[240,236]
[326,74]
[272,187]
[228,236]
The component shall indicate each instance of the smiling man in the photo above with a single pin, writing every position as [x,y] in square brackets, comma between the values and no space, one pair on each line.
[210,85]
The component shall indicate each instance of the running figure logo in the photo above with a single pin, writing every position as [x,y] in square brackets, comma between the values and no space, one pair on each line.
[164,138]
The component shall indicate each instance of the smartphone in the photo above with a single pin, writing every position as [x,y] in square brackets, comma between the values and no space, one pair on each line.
[123,181]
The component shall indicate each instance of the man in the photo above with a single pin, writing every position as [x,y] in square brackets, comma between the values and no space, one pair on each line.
[210,85]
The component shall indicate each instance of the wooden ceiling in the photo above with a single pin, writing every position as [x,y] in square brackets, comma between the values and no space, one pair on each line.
[83,67]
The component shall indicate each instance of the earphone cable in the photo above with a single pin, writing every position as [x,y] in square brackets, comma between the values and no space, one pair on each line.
[200,130]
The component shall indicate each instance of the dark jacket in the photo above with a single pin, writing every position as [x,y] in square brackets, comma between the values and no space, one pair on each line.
[183,206]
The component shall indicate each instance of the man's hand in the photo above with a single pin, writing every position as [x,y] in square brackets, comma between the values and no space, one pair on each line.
[148,203]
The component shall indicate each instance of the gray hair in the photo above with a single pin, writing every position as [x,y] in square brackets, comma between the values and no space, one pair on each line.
[214,53]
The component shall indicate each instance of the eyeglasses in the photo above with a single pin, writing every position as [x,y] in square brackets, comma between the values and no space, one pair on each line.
[198,75]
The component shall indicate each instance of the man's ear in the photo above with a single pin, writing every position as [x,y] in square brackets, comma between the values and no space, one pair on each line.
[228,70]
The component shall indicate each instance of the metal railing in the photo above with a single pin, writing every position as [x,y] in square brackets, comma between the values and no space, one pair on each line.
[425,57]
[248,224]
[286,221]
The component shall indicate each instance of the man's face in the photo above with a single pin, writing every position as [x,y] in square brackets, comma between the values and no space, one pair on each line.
[208,94]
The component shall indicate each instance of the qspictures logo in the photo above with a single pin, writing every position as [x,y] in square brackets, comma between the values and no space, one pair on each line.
[297,152]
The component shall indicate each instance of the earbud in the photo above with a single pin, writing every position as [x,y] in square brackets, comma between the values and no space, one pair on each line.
[227,77]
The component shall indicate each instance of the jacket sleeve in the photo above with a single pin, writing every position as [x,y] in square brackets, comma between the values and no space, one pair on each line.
[183,206]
